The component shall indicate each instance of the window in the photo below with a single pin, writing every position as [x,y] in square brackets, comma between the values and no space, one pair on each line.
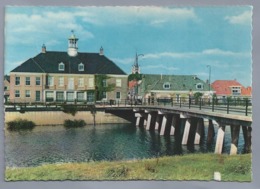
[61,66]
[81,82]
[17,93]
[80,96]
[71,83]
[17,80]
[50,80]
[59,96]
[90,96]
[167,85]
[118,95]
[61,81]
[27,93]
[91,82]
[37,96]
[104,95]
[49,96]
[118,82]
[199,86]
[236,91]
[70,96]
[37,81]
[81,67]
[27,81]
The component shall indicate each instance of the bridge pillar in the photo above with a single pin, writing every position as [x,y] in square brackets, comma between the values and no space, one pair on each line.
[139,119]
[150,120]
[164,122]
[186,131]
[158,121]
[211,132]
[247,138]
[175,123]
[235,129]
[199,130]
[145,119]
[220,139]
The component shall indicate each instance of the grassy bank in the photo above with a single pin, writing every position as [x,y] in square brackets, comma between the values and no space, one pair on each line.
[187,167]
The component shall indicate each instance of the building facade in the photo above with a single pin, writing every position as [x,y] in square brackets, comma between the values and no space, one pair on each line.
[172,86]
[70,76]
[230,88]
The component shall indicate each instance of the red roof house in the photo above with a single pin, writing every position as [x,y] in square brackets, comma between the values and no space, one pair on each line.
[230,88]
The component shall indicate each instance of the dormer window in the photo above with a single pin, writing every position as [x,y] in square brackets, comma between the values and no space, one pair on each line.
[199,86]
[167,85]
[81,67]
[61,66]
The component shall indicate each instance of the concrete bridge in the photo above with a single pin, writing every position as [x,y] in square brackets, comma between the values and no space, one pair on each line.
[188,124]
[185,121]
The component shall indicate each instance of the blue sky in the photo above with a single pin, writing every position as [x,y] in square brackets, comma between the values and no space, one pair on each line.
[174,40]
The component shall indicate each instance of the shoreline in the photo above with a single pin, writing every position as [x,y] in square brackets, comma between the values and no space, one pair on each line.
[186,167]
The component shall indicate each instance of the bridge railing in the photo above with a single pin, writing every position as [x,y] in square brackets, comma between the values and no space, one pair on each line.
[228,105]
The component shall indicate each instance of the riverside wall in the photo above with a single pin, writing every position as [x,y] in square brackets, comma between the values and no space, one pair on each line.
[58,117]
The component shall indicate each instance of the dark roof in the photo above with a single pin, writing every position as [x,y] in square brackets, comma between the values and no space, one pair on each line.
[49,62]
[177,82]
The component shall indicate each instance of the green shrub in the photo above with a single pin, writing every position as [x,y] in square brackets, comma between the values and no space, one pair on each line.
[74,123]
[70,109]
[20,124]
[114,172]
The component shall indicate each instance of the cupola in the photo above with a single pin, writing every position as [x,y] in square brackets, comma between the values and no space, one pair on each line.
[43,48]
[72,45]
[101,51]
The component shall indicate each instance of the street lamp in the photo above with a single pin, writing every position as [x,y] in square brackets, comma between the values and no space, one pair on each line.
[208,66]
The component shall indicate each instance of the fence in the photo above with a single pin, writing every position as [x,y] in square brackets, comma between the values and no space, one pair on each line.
[228,105]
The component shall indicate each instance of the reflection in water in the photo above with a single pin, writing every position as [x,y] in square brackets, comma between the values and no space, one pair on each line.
[52,144]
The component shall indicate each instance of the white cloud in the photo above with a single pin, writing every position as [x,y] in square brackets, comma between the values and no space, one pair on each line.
[168,68]
[206,52]
[126,15]
[244,18]
[41,26]
[123,60]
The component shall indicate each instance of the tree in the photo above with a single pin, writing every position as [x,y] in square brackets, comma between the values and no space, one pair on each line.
[197,96]
[101,85]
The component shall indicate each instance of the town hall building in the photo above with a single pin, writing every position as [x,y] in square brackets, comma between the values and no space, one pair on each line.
[70,76]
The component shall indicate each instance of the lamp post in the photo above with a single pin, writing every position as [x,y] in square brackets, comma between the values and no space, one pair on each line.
[208,66]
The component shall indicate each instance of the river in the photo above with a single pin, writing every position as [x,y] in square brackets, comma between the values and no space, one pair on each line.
[111,142]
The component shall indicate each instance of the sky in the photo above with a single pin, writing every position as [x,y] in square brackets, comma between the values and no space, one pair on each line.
[173,40]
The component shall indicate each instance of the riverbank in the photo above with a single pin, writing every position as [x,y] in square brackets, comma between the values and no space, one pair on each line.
[186,167]
[58,117]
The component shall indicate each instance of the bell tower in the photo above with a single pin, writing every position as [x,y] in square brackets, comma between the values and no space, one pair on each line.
[72,45]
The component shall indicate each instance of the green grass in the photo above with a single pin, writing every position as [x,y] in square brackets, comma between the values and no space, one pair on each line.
[187,167]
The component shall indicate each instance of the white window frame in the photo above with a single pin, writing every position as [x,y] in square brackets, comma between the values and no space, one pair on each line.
[17,80]
[81,82]
[50,80]
[118,92]
[27,95]
[27,79]
[199,84]
[81,67]
[61,81]
[61,66]
[37,100]
[17,94]
[166,84]
[118,82]
[37,79]
[104,95]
